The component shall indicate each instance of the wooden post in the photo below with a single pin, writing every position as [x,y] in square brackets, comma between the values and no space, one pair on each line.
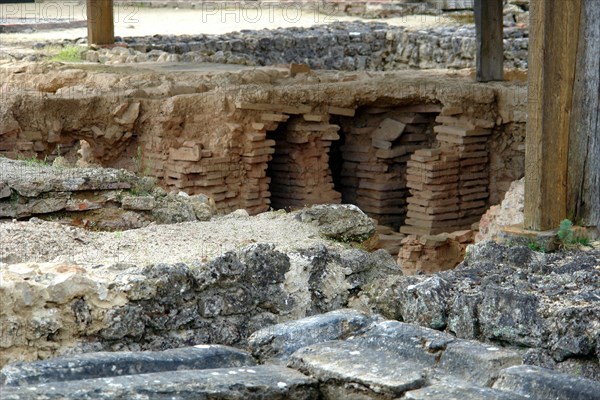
[583,197]
[490,40]
[553,41]
[100,23]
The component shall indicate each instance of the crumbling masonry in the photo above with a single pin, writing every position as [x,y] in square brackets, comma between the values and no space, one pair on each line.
[422,151]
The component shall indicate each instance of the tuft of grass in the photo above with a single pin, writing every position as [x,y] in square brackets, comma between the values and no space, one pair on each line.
[144,186]
[585,241]
[32,160]
[535,246]
[138,163]
[68,54]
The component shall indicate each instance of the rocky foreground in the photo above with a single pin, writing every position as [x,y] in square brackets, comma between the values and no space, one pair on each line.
[340,355]
[216,282]
[149,312]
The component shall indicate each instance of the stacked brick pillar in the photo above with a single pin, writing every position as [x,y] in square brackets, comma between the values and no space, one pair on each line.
[258,150]
[449,184]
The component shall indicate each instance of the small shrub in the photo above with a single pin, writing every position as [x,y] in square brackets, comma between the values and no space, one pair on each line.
[68,54]
[138,163]
[565,232]
[567,237]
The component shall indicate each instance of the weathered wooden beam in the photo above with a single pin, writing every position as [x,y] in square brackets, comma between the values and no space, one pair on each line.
[583,197]
[100,22]
[553,39]
[490,40]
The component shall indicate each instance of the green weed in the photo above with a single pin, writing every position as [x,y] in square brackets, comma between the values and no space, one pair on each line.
[535,246]
[68,54]
[32,160]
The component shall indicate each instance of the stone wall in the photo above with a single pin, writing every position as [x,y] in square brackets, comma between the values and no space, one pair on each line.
[72,308]
[509,295]
[339,46]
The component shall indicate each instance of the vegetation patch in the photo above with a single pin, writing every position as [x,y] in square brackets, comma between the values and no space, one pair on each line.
[67,54]
[569,238]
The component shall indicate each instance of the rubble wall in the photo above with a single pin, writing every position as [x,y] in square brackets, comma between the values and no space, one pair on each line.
[337,45]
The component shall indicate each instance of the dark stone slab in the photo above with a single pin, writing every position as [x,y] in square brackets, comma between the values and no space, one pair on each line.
[347,369]
[408,341]
[107,364]
[468,360]
[248,383]
[391,358]
[276,343]
[475,362]
[454,392]
[541,383]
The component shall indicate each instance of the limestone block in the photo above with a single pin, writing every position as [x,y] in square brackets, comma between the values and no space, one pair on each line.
[274,117]
[8,125]
[277,343]
[4,190]
[127,113]
[138,203]
[31,135]
[461,131]
[337,364]
[389,130]
[346,112]
[449,391]
[97,131]
[315,118]
[542,383]
[451,110]
[296,69]
[381,144]
[185,153]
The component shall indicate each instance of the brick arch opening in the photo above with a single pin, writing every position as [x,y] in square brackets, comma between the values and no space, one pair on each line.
[299,171]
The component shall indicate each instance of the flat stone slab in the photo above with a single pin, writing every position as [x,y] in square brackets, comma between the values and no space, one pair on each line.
[356,368]
[31,179]
[541,383]
[476,362]
[276,343]
[408,341]
[391,358]
[451,392]
[111,364]
[255,383]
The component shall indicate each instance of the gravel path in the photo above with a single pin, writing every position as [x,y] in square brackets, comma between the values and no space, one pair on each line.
[41,241]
